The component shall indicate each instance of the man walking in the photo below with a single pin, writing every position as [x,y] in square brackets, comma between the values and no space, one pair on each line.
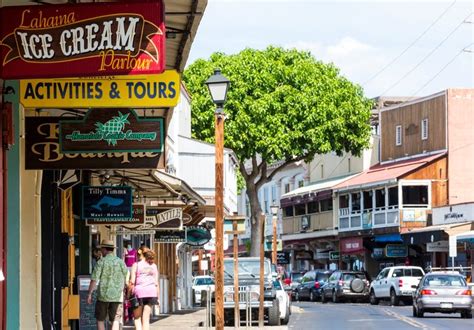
[110,271]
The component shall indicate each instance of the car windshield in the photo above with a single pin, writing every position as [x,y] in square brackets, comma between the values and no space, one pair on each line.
[444,280]
[204,281]
[246,267]
[407,272]
[350,276]
[322,277]
[297,277]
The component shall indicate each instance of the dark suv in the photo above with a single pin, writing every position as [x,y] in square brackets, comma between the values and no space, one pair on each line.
[311,284]
[346,285]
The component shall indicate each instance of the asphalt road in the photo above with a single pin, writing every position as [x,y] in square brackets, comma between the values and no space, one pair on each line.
[314,315]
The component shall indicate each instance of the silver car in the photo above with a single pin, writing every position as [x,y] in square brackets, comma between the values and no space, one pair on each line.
[442,292]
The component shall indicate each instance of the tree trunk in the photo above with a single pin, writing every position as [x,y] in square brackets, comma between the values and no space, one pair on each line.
[255,212]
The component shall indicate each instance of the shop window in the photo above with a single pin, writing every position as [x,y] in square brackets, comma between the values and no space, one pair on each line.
[379,198]
[393,196]
[313,207]
[344,201]
[368,204]
[326,204]
[415,196]
[300,209]
[289,211]
[355,202]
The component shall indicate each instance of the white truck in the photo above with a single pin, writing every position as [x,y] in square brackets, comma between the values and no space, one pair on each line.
[395,283]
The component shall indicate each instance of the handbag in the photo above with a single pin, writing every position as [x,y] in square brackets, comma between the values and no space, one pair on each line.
[133,301]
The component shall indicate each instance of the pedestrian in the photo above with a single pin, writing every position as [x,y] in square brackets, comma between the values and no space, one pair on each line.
[110,271]
[129,255]
[144,284]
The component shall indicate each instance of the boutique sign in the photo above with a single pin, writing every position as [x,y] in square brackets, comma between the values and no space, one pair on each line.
[82,40]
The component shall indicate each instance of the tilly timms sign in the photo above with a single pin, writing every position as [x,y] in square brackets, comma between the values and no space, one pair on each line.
[106,202]
[82,40]
[107,130]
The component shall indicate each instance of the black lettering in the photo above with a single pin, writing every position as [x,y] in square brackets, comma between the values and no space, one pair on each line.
[162,89]
[98,90]
[29,92]
[62,89]
[172,90]
[37,91]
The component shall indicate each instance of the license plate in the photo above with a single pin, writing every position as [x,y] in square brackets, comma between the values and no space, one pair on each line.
[446,305]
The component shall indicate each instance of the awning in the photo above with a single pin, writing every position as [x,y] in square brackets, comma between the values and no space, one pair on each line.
[428,234]
[388,238]
[386,173]
[314,192]
[467,237]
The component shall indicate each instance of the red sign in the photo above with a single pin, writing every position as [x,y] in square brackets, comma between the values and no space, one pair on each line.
[82,40]
[351,245]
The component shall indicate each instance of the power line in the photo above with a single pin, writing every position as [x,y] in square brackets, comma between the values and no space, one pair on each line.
[410,45]
[427,56]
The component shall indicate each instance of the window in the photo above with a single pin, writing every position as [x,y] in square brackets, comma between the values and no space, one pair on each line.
[287,188]
[343,201]
[393,196]
[355,202]
[380,198]
[398,135]
[368,205]
[424,129]
[349,165]
[289,211]
[274,193]
[300,183]
[326,204]
[313,207]
[415,195]
[300,209]
[322,171]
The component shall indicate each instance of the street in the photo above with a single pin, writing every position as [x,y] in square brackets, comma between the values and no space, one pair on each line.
[311,315]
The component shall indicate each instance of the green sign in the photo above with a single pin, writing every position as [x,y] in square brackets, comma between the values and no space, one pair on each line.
[334,255]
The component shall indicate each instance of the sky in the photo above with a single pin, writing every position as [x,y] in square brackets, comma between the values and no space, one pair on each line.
[396,48]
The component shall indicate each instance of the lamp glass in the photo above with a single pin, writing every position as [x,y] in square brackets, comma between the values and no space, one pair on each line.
[218,85]
[274,209]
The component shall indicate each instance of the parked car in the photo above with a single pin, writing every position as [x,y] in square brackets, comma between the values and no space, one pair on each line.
[346,285]
[395,283]
[201,283]
[293,280]
[311,284]
[284,301]
[442,292]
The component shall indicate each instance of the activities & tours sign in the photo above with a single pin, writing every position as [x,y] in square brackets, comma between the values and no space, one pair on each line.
[138,91]
[107,130]
[82,40]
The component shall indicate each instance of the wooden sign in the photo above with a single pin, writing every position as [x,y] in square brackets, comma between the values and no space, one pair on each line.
[170,236]
[42,151]
[73,40]
[106,202]
[111,130]
[137,218]
[165,219]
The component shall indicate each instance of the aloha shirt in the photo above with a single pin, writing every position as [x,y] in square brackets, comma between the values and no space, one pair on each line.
[110,271]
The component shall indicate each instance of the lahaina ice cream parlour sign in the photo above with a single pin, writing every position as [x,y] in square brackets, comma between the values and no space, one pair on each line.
[111,130]
[82,40]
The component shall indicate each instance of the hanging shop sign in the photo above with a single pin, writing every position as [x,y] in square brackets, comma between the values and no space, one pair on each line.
[229,224]
[164,219]
[107,130]
[396,251]
[137,218]
[69,179]
[283,258]
[170,236]
[439,246]
[334,255]
[197,235]
[42,151]
[106,202]
[140,91]
[351,245]
[94,39]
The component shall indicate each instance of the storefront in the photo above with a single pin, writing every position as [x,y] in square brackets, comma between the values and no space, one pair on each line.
[352,254]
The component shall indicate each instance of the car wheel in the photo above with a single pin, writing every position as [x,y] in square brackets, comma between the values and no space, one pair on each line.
[274,314]
[420,312]
[335,299]
[287,317]
[394,300]
[414,312]
[311,296]
[466,315]
[323,298]
[372,298]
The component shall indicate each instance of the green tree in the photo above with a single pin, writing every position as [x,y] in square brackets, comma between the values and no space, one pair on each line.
[282,106]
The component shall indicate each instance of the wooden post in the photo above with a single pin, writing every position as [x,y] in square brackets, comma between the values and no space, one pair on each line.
[274,254]
[219,214]
[262,270]
[236,276]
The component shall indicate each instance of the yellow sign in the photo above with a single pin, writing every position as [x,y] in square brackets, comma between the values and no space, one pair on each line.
[134,91]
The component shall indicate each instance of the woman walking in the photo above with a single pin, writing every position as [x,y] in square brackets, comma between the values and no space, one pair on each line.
[144,283]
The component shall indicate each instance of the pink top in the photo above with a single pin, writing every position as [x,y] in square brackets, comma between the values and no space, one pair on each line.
[145,284]
[130,257]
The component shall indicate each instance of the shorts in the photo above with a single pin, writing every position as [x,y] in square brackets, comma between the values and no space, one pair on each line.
[113,309]
[148,301]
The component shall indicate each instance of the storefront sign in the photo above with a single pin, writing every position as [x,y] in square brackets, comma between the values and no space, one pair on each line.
[378,253]
[42,151]
[197,235]
[138,218]
[106,202]
[139,91]
[304,255]
[396,251]
[170,236]
[351,245]
[82,40]
[439,246]
[413,215]
[164,219]
[334,255]
[107,130]
[283,258]
[453,214]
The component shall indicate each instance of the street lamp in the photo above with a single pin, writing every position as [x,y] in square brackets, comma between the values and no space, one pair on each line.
[274,209]
[218,85]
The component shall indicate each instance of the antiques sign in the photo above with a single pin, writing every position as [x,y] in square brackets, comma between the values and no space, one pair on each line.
[106,130]
[140,91]
[164,219]
[42,151]
[82,40]
[106,202]
[137,218]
